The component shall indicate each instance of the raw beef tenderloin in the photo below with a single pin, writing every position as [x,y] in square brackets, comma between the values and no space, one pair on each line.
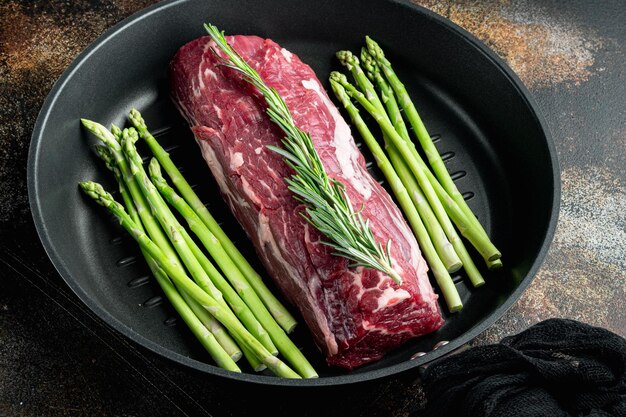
[355,315]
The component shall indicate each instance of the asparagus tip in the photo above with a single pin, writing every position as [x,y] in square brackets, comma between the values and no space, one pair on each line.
[365,55]
[338,77]
[99,131]
[137,120]
[105,154]
[368,63]
[154,169]
[102,152]
[373,48]
[130,135]
[89,124]
[116,131]
[347,58]
[92,188]
[342,94]
[337,87]
[98,193]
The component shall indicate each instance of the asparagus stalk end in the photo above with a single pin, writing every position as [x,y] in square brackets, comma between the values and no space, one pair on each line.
[281,314]
[495,264]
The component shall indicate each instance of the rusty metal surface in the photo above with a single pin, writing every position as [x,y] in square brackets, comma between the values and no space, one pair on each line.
[57,359]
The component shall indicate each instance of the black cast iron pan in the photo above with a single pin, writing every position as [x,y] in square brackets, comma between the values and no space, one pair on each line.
[482,119]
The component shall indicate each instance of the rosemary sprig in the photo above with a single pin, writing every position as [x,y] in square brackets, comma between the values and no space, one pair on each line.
[328,207]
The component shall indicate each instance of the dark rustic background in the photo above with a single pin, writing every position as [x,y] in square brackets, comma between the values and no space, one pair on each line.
[58,359]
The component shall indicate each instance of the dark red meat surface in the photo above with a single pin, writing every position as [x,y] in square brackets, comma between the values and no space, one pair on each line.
[354,315]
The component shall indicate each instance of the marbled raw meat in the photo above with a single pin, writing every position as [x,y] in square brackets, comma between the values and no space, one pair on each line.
[354,315]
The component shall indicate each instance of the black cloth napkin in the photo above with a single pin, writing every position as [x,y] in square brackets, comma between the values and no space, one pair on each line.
[556,368]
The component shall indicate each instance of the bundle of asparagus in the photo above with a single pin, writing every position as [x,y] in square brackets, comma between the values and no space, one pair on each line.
[429,198]
[227,307]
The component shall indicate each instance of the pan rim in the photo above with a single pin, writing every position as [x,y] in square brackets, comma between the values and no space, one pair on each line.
[350,378]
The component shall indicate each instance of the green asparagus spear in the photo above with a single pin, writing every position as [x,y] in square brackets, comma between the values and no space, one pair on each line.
[205,328]
[280,339]
[480,241]
[444,282]
[177,274]
[232,298]
[111,140]
[493,265]
[424,138]
[278,311]
[209,322]
[373,72]
[120,167]
[183,243]
[191,316]
[444,249]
